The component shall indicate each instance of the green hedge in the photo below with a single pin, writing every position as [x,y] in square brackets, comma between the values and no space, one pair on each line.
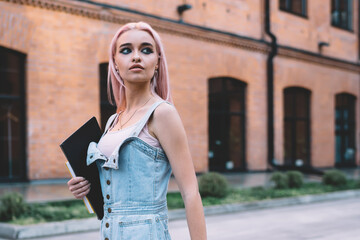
[334,178]
[295,179]
[290,179]
[213,184]
[12,206]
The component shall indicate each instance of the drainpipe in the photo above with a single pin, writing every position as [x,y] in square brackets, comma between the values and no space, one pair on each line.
[358,98]
[270,101]
[270,86]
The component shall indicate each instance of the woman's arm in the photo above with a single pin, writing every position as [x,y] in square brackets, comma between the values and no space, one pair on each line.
[169,130]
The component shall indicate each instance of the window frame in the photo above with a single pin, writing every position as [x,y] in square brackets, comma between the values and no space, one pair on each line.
[287,8]
[226,113]
[350,20]
[106,108]
[345,101]
[293,119]
[18,97]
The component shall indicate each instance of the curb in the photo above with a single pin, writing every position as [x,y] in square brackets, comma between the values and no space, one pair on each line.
[11,231]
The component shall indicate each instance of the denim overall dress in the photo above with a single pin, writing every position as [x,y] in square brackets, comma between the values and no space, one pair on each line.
[134,181]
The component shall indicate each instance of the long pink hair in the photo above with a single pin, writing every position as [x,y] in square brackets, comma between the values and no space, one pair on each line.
[159,84]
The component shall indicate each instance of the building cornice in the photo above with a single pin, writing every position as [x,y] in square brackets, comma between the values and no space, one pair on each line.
[107,14]
[310,57]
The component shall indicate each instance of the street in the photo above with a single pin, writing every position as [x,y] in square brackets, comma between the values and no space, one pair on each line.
[320,221]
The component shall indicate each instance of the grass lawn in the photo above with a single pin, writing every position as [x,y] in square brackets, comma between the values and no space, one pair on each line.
[75,209]
[260,193]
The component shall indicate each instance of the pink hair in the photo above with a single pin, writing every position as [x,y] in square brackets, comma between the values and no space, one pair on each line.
[159,85]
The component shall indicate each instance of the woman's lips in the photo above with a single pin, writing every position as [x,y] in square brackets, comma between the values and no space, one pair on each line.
[136,69]
[136,66]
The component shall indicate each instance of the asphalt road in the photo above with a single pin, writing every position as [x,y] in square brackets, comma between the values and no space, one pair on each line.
[335,220]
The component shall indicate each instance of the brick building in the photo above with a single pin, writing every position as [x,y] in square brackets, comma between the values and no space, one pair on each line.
[257,83]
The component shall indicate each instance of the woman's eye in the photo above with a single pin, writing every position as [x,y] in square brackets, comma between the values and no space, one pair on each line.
[125,51]
[147,50]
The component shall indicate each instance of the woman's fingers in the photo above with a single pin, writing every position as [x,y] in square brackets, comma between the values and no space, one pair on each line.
[81,190]
[79,187]
[81,195]
[75,180]
[76,184]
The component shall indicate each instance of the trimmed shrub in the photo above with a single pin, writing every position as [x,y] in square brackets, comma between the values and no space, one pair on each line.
[357,183]
[213,184]
[334,178]
[295,179]
[280,180]
[12,206]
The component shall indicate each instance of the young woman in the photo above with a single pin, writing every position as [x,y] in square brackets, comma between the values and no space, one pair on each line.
[142,143]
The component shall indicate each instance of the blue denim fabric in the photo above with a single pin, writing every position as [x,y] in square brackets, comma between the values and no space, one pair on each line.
[134,182]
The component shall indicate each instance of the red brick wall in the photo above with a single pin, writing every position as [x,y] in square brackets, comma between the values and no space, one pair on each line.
[324,83]
[189,75]
[243,17]
[305,33]
[62,79]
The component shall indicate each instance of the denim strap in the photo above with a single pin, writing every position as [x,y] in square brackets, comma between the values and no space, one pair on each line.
[109,122]
[144,120]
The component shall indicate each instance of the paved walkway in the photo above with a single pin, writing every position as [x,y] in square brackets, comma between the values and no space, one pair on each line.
[332,220]
[54,190]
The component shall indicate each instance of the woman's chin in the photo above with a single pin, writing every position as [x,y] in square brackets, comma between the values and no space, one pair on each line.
[138,80]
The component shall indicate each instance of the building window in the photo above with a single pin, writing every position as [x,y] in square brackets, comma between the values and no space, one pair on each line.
[226,124]
[342,14]
[106,108]
[297,126]
[12,116]
[297,7]
[345,150]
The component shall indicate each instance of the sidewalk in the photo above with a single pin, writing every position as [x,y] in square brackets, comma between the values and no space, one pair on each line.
[55,190]
[70,227]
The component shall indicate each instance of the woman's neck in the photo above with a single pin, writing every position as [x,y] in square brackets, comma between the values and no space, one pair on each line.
[136,97]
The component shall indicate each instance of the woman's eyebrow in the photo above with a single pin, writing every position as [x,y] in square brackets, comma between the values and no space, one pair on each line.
[125,44]
[142,44]
[146,44]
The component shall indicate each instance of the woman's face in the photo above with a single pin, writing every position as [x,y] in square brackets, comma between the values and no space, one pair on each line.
[136,56]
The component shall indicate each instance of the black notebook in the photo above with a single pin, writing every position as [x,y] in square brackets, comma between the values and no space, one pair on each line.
[75,149]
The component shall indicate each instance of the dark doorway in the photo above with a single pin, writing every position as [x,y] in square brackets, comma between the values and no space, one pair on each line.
[12,116]
[297,126]
[105,107]
[345,150]
[226,125]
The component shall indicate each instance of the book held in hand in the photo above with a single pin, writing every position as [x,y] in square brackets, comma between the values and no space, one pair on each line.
[85,199]
[75,149]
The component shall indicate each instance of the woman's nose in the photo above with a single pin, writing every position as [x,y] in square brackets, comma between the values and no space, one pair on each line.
[136,57]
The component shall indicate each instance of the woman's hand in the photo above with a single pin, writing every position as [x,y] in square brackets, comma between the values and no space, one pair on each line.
[79,187]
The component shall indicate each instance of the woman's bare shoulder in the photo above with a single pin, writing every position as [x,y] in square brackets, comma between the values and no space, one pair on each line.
[165,111]
[167,126]
[165,116]
[161,116]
